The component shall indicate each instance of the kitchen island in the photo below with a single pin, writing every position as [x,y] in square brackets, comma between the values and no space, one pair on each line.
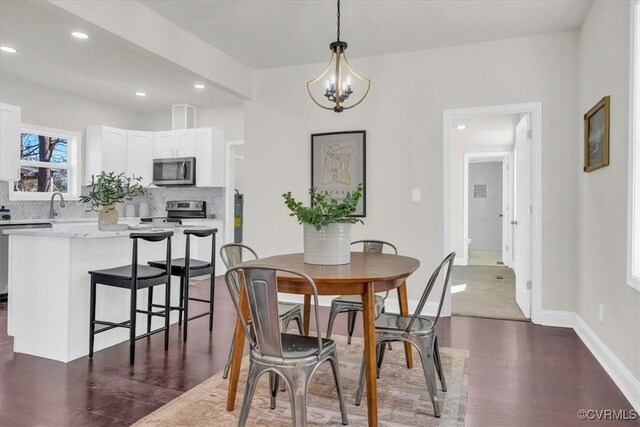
[48,310]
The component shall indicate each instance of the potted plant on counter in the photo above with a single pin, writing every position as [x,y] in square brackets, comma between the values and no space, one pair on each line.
[106,190]
[327,225]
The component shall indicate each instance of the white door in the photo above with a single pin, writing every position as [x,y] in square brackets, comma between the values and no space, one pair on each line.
[507,247]
[522,218]
[114,150]
[140,155]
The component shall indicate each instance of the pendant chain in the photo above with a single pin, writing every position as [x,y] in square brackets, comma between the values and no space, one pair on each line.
[338,20]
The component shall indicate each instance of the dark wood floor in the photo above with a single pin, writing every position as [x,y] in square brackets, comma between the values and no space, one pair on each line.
[520,375]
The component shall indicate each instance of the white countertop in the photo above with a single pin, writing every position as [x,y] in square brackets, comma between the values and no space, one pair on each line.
[91,231]
[46,221]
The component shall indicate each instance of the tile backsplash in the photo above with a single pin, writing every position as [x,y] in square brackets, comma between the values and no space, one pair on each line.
[155,197]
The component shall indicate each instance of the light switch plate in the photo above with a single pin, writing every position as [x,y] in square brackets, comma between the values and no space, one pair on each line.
[415,195]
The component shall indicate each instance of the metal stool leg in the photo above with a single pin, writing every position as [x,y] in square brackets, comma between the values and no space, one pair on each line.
[227,365]
[352,324]
[167,312]
[186,308]
[332,317]
[92,316]
[212,295]
[426,355]
[181,301]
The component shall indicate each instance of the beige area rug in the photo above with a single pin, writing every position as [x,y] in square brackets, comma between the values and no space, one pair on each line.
[403,399]
[481,291]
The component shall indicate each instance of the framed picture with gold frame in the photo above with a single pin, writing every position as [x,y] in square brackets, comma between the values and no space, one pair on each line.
[596,136]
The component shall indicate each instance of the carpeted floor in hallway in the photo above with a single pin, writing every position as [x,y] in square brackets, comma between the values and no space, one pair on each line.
[483,291]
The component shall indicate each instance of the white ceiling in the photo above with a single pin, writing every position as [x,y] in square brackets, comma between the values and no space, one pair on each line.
[485,131]
[276,33]
[103,67]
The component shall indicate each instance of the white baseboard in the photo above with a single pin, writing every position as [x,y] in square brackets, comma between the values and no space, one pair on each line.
[624,379]
[557,318]
[460,261]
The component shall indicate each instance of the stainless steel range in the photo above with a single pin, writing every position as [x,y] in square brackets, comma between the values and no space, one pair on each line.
[177,210]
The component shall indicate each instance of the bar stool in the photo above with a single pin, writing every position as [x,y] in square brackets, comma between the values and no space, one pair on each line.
[186,268]
[133,277]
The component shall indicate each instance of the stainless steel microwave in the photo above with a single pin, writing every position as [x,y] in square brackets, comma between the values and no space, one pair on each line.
[174,171]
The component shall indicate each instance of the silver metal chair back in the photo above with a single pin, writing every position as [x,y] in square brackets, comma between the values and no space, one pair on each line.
[232,254]
[261,288]
[375,246]
[448,261]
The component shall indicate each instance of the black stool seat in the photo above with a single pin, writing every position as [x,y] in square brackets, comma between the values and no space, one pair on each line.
[177,263]
[124,272]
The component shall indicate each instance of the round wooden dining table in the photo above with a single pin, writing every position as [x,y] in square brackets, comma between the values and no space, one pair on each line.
[366,275]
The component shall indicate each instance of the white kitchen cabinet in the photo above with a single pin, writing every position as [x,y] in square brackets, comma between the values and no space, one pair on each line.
[175,143]
[140,155]
[9,142]
[210,157]
[106,150]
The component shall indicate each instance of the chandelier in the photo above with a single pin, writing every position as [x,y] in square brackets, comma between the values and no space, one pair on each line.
[340,80]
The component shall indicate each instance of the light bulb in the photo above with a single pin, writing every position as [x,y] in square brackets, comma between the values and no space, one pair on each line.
[333,80]
[348,80]
[328,84]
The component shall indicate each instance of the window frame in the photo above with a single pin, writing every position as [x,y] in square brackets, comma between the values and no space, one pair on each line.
[633,252]
[72,165]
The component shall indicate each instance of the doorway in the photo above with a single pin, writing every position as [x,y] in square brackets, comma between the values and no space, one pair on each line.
[494,233]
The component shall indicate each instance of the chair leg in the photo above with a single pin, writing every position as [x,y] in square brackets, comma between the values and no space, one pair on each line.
[252,381]
[438,361]
[336,375]
[92,316]
[181,300]
[167,312]
[299,322]
[381,348]
[332,317]
[426,355]
[185,309]
[132,323]
[149,307]
[360,383]
[273,388]
[212,295]
[352,324]
[227,365]
[388,343]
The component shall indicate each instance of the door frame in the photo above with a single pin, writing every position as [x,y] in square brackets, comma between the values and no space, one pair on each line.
[506,158]
[535,111]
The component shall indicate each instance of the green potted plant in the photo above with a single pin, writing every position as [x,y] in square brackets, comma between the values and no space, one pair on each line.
[106,190]
[327,225]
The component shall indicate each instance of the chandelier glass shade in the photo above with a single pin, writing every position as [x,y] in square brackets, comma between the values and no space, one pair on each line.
[339,86]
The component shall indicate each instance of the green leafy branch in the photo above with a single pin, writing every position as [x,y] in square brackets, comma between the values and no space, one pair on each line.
[109,188]
[324,209]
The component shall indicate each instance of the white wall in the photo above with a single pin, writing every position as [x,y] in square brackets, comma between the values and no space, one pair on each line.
[485,222]
[604,65]
[45,106]
[229,117]
[403,120]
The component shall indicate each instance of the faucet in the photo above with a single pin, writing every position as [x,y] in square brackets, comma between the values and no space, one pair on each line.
[52,212]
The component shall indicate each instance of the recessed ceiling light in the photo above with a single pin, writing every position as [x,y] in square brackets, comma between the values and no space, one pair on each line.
[8,49]
[141,94]
[198,86]
[461,127]
[79,35]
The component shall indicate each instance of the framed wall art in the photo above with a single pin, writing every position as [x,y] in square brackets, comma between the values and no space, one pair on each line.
[596,136]
[338,164]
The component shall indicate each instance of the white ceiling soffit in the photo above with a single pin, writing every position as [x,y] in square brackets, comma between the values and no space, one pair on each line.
[484,132]
[269,34]
[103,67]
[144,28]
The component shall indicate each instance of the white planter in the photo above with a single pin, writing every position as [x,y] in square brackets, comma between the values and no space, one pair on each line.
[329,246]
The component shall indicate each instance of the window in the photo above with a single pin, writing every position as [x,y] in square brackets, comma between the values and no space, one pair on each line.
[634,153]
[48,164]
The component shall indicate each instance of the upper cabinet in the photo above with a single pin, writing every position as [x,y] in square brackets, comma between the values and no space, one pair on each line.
[9,142]
[139,150]
[175,143]
[105,150]
[116,150]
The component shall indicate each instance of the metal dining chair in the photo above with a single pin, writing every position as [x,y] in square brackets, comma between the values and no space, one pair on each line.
[287,357]
[352,304]
[418,330]
[232,254]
